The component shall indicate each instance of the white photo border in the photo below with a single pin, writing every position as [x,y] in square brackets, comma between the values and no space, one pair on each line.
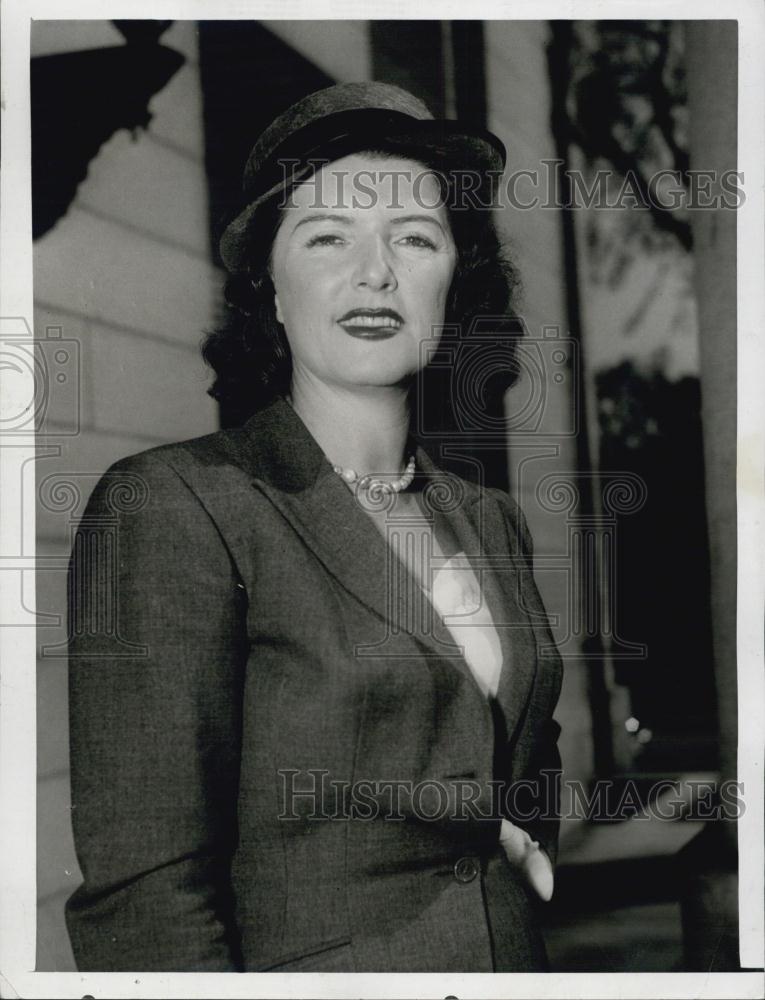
[17,643]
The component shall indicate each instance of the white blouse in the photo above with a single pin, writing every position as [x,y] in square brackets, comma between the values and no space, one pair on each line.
[456,596]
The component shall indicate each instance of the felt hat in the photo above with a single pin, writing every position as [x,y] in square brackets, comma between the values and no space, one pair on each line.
[337,120]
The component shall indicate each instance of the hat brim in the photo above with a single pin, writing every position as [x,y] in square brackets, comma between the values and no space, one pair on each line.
[440,144]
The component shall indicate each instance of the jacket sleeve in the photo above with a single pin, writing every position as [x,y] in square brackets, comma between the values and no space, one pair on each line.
[157,647]
[541,772]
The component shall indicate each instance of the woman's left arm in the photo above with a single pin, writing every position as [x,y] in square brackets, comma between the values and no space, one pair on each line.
[542,771]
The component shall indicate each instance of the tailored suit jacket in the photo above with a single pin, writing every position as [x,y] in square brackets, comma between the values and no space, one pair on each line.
[276,763]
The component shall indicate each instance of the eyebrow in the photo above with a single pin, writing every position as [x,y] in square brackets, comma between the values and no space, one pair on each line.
[417,218]
[346,221]
[323,217]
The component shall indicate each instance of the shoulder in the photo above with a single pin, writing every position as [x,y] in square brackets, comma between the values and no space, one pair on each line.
[217,449]
[499,502]
[509,505]
[168,477]
[507,509]
[264,447]
[516,520]
[215,458]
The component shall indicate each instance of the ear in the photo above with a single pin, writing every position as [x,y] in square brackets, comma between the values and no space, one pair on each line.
[277,304]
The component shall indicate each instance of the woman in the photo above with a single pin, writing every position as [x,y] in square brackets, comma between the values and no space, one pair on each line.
[312,732]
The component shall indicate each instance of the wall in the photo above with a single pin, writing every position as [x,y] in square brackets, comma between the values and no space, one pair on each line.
[339,48]
[126,275]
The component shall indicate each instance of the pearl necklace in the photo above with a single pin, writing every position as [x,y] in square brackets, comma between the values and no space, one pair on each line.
[350,476]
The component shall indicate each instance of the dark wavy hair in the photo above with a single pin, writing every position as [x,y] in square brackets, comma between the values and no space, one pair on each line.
[249,352]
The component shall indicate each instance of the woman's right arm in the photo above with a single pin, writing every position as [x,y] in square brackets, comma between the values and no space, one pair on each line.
[157,651]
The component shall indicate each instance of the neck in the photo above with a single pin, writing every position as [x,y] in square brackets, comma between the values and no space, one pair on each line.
[357,427]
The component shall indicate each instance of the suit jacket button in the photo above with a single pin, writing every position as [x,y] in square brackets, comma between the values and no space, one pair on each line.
[465,869]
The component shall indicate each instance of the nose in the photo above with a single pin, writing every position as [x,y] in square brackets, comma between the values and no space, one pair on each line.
[374,266]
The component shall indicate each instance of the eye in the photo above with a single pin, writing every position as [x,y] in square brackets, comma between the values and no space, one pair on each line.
[415,240]
[325,240]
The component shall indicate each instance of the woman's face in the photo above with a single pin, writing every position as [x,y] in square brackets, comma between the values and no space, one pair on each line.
[361,264]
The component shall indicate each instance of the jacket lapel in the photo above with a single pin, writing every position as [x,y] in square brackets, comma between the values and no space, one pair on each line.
[288,466]
[485,538]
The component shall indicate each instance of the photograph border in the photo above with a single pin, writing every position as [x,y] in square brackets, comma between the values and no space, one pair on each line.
[18,642]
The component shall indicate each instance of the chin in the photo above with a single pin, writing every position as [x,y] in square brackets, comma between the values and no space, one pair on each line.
[382,375]
[387,367]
